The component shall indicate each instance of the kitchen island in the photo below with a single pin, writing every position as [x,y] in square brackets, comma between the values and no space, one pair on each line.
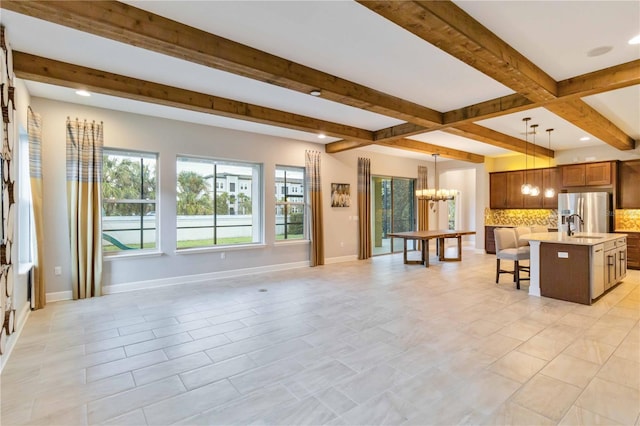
[577,268]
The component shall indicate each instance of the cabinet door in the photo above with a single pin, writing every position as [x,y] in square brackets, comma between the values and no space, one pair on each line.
[534,178]
[515,199]
[498,190]
[633,251]
[574,175]
[628,187]
[598,173]
[550,180]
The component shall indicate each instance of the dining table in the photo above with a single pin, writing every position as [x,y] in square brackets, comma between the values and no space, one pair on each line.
[424,236]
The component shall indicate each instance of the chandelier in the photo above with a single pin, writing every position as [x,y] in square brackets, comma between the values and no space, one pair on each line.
[435,194]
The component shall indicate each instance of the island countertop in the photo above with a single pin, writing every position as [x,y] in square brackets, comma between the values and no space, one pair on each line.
[580,238]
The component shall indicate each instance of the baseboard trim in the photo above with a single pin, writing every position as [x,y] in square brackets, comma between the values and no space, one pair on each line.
[187,279]
[340,259]
[59,296]
[21,320]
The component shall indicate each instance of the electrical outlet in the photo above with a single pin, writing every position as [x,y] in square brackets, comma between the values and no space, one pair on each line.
[57,270]
[222,256]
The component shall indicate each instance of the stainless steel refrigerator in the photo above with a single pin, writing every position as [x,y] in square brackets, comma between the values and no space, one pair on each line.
[593,207]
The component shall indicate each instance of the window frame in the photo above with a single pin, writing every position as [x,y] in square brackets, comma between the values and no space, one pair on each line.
[257,209]
[286,203]
[135,251]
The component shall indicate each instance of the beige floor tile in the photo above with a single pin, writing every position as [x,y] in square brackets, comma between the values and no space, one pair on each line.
[112,368]
[547,396]
[212,373]
[124,402]
[76,416]
[243,410]
[190,403]
[318,378]
[309,411]
[622,371]
[160,343]
[611,400]
[133,418]
[522,329]
[630,347]
[578,416]
[518,366]
[543,347]
[334,399]
[590,350]
[430,385]
[611,320]
[370,383]
[265,375]
[497,345]
[367,357]
[571,370]
[510,413]
[172,367]
[386,409]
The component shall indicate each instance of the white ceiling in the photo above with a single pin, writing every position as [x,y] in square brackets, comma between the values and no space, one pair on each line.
[348,40]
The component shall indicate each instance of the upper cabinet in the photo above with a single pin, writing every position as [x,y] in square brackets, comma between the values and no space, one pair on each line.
[629,184]
[589,174]
[505,189]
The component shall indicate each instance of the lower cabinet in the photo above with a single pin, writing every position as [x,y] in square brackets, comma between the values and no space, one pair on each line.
[633,250]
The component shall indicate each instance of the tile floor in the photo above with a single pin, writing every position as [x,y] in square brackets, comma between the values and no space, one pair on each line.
[363,342]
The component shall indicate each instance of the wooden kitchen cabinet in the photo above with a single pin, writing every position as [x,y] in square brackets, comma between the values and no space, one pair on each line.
[629,184]
[498,190]
[633,250]
[515,198]
[587,174]
[550,180]
[534,178]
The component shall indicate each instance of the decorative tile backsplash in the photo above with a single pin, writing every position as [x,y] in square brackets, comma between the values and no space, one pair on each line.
[524,217]
[627,220]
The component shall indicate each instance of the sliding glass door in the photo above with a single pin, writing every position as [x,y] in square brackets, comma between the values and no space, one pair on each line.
[393,207]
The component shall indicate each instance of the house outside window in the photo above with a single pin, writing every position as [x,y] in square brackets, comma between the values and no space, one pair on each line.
[208,217]
[290,203]
[129,188]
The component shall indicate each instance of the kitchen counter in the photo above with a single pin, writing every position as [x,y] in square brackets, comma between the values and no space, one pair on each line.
[580,238]
[577,268]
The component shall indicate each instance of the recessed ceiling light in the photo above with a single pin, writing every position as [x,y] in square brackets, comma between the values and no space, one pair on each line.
[315,93]
[599,51]
[82,93]
[322,136]
[585,138]
[635,40]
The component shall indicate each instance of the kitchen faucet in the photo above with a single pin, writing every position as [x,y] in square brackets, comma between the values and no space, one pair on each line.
[569,221]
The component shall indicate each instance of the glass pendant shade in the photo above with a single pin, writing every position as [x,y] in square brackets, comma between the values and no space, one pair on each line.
[535,191]
[549,193]
[525,189]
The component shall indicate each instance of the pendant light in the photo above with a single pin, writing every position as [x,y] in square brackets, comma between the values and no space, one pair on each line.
[435,194]
[549,192]
[526,188]
[535,189]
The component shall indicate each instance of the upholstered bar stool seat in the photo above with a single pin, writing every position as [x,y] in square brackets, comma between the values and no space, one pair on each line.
[507,248]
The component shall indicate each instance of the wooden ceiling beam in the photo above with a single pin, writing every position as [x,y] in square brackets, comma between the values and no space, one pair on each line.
[451,29]
[612,78]
[579,113]
[49,71]
[491,137]
[427,148]
[127,24]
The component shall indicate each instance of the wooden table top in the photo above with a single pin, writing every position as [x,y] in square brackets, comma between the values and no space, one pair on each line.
[425,235]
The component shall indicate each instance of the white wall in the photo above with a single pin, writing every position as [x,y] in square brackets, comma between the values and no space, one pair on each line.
[170,138]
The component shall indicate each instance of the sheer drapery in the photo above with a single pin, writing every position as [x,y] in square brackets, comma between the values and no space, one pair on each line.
[312,166]
[364,208]
[423,205]
[84,176]
[34,131]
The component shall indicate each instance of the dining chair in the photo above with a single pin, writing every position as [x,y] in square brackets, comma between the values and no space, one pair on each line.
[507,248]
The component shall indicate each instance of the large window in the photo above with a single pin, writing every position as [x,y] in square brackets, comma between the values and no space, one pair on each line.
[212,217]
[290,203]
[25,206]
[129,187]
